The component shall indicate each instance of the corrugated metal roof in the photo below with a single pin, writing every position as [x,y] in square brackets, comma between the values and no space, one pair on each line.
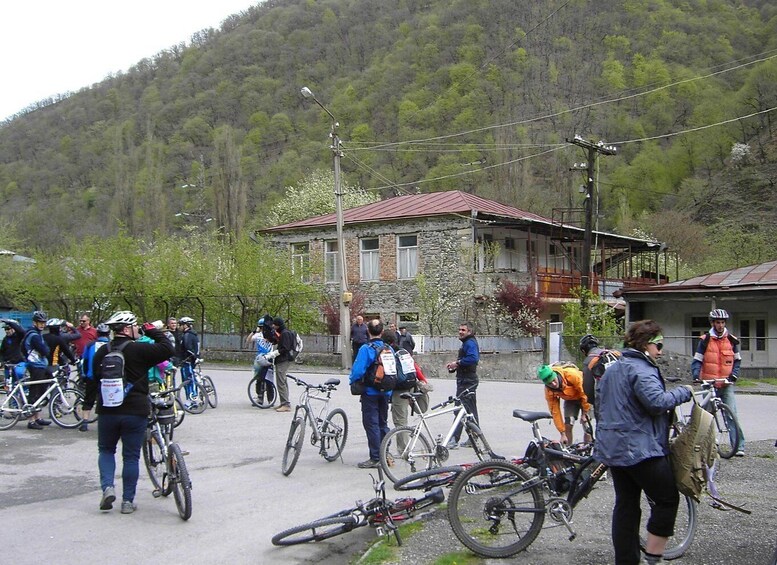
[763,275]
[416,206]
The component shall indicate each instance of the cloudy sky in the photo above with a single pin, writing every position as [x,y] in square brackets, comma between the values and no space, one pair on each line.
[48,47]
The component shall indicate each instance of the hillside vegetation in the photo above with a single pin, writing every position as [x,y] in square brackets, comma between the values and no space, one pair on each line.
[477,95]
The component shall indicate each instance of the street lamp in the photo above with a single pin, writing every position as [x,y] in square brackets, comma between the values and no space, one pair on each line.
[345,297]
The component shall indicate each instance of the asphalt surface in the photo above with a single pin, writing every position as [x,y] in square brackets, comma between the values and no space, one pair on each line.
[49,490]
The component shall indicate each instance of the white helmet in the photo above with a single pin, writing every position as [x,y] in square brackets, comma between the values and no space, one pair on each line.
[122,318]
[186,320]
[54,323]
[719,314]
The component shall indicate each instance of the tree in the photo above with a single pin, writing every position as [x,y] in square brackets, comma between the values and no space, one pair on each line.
[519,307]
[597,318]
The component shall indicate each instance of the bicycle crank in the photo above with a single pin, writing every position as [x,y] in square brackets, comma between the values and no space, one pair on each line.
[561,512]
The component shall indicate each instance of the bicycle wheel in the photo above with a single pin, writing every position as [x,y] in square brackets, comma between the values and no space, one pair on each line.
[727,436]
[496,509]
[261,392]
[65,408]
[180,481]
[178,412]
[684,527]
[425,480]
[196,403]
[478,440]
[294,443]
[9,410]
[210,391]
[156,465]
[334,432]
[403,452]
[319,530]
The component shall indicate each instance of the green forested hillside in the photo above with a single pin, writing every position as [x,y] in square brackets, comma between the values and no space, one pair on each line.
[478,95]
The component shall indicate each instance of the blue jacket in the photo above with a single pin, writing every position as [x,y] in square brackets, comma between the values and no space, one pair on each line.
[635,410]
[34,348]
[87,367]
[468,358]
[364,360]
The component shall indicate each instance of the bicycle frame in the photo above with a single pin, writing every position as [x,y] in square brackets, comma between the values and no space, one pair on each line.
[313,394]
[18,392]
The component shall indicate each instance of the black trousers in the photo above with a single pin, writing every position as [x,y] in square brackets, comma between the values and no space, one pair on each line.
[654,477]
[470,401]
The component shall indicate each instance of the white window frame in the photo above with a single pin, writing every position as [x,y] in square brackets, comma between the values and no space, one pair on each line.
[407,257]
[369,259]
[331,261]
[300,260]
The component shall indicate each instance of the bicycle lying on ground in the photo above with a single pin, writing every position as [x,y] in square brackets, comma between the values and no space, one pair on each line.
[408,449]
[163,457]
[199,392]
[497,508]
[726,422]
[329,433]
[378,512]
[65,404]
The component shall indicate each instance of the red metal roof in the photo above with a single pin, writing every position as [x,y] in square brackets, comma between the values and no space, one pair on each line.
[763,275]
[416,206]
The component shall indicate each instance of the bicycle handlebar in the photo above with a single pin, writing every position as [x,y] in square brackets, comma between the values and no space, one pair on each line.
[455,399]
[330,384]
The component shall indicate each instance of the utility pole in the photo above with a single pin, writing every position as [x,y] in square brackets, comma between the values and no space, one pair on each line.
[592,151]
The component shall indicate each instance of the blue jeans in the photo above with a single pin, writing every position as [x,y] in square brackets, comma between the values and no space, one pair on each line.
[726,394]
[131,429]
[375,420]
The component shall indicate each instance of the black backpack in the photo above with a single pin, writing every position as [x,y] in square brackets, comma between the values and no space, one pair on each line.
[112,371]
[599,363]
[382,374]
[406,375]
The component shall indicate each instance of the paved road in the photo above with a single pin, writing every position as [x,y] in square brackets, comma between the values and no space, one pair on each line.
[50,490]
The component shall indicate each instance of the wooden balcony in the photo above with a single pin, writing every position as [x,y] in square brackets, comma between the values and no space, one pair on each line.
[559,284]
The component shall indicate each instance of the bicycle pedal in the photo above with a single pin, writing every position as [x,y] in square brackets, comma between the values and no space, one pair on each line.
[156,493]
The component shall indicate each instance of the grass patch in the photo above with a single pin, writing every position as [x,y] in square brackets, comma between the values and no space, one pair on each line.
[746,383]
[458,558]
[385,549]
[765,455]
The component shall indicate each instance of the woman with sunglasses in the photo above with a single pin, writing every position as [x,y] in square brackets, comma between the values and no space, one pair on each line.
[632,438]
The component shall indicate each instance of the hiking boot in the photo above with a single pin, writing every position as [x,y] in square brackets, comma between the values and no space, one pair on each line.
[43,422]
[34,425]
[369,464]
[283,408]
[128,507]
[109,495]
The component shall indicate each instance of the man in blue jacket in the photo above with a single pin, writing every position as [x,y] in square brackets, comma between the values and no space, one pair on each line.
[375,403]
[465,368]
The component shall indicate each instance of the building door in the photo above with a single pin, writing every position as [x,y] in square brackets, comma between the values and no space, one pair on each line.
[753,346]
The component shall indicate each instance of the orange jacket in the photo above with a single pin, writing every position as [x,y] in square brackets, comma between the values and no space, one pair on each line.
[719,357]
[571,389]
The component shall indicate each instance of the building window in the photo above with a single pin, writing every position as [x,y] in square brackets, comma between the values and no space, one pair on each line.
[331,262]
[370,259]
[300,261]
[407,256]
[699,325]
[752,334]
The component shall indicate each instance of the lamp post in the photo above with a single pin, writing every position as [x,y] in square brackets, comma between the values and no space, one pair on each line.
[344,300]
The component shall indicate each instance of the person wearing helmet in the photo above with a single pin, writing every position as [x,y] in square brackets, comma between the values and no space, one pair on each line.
[564,381]
[266,352]
[60,352]
[103,333]
[11,346]
[36,353]
[127,421]
[718,357]
[190,352]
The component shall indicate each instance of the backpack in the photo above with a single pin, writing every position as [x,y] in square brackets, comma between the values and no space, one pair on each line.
[30,355]
[298,346]
[693,452]
[382,374]
[599,363]
[113,381]
[406,375]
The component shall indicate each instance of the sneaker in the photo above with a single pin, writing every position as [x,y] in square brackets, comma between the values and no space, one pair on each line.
[452,444]
[128,507]
[84,427]
[34,425]
[740,453]
[369,464]
[43,422]
[283,408]
[109,495]
[466,443]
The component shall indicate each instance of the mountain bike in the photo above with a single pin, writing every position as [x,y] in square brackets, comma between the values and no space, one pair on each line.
[65,404]
[408,449]
[329,433]
[378,512]
[726,422]
[163,457]
[203,391]
[261,391]
[497,508]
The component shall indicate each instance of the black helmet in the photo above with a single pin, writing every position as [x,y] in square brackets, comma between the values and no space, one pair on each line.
[588,342]
[39,316]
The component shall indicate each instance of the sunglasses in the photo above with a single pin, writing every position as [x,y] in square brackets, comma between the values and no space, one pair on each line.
[659,345]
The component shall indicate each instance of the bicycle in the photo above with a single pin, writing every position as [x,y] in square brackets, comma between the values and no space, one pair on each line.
[178,410]
[64,403]
[329,433]
[408,449]
[203,393]
[378,512]
[262,392]
[726,422]
[498,507]
[163,457]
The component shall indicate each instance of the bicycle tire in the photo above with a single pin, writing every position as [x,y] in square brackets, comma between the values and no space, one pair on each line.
[411,458]
[478,441]
[480,503]
[430,478]
[210,391]
[156,462]
[319,530]
[685,527]
[262,396]
[727,438]
[180,481]
[65,408]
[294,443]
[178,412]
[10,412]
[196,405]
[334,433]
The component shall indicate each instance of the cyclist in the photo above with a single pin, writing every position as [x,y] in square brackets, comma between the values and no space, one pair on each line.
[565,381]
[36,353]
[11,347]
[717,357]
[265,353]
[87,365]
[60,352]
[190,351]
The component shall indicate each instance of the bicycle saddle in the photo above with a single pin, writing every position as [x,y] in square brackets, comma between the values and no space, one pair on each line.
[530,416]
[332,382]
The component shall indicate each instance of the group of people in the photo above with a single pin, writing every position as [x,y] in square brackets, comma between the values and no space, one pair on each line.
[633,411]
[274,346]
